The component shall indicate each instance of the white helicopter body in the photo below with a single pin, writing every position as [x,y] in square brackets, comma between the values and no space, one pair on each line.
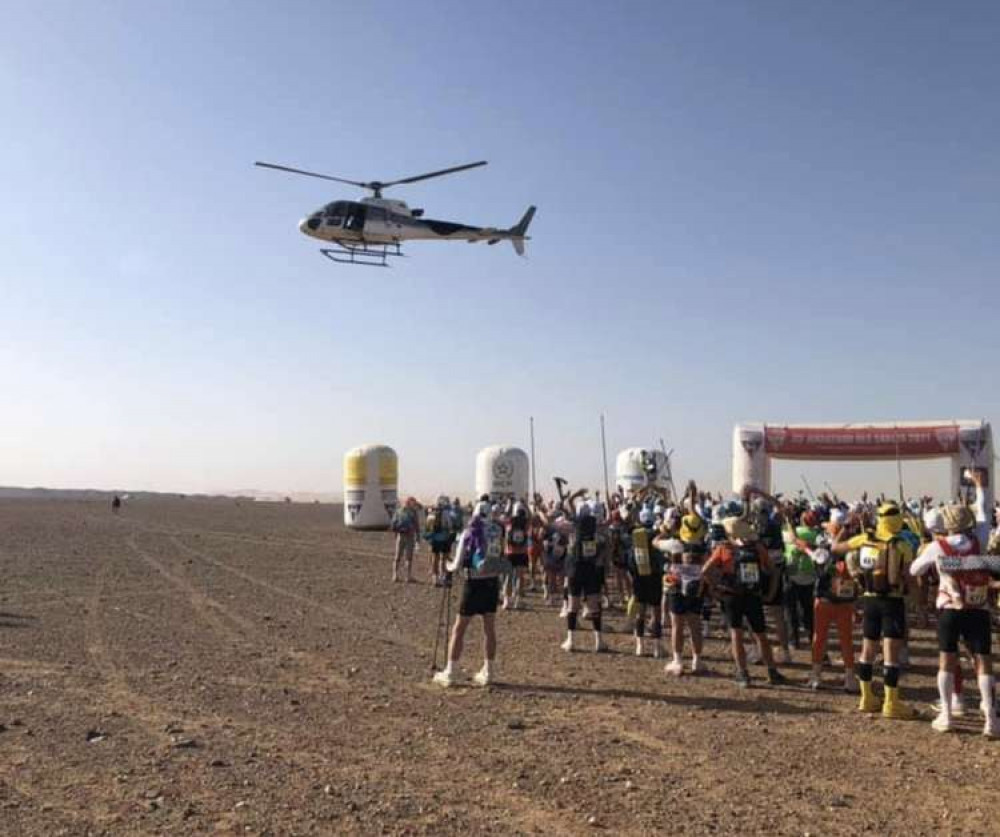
[371,230]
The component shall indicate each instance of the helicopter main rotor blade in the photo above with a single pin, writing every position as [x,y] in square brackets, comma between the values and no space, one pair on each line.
[434,174]
[312,174]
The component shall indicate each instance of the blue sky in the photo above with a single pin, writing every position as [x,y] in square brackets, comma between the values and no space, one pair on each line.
[778,210]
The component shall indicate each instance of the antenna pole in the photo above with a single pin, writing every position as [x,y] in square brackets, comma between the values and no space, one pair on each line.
[604,452]
[534,485]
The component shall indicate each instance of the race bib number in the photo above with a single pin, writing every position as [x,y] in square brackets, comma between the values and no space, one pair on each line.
[749,574]
[559,551]
[868,558]
[976,596]
[493,549]
[517,537]
[589,549]
[843,588]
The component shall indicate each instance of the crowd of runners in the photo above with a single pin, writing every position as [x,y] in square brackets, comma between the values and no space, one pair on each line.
[785,571]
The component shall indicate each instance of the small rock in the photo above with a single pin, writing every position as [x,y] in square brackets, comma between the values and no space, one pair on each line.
[241,805]
[328,789]
[95,735]
[592,820]
[179,743]
[217,763]
[515,723]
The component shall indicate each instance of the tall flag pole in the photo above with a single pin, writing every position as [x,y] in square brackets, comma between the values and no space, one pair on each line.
[534,486]
[604,451]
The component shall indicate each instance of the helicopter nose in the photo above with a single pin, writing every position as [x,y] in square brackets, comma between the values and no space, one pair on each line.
[307,226]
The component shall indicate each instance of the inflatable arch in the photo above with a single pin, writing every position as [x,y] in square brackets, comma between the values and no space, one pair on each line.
[968,444]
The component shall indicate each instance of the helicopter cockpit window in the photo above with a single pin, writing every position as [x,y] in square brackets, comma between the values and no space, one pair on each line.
[335,214]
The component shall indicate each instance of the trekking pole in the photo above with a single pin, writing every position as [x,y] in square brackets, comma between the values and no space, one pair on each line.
[805,482]
[899,469]
[445,594]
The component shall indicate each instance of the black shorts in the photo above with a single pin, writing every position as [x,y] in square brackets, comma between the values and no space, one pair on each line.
[681,604]
[585,580]
[971,624]
[884,616]
[440,547]
[519,561]
[479,596]
[648,589]
[747,606]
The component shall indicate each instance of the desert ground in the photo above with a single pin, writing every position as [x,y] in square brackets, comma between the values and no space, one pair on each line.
[196,666]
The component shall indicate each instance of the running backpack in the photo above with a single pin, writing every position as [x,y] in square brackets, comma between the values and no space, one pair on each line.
[746,569]
[488,559]
[586,540]
[517,537]
[973,586]
[642,551]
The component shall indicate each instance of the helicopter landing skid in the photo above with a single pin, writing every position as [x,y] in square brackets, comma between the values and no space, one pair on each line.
[371,255]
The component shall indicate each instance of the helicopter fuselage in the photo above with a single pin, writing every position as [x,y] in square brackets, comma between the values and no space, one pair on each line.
[382,221]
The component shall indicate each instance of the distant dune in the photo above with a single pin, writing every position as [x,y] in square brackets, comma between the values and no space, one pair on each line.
[251,494]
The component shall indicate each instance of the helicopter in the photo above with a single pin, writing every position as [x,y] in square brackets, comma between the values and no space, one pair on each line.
[370,231]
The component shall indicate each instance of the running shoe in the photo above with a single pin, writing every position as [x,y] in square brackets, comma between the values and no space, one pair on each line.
[485,676]
[991,729]
[942,723]
[775,677]
[742,680]
[957,705]
[674,667]
[568,644]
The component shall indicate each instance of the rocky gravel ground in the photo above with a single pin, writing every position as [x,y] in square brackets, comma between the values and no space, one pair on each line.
[196,666]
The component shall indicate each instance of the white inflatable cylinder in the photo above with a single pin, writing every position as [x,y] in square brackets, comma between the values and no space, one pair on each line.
[630,471]
[502,472]
[371,487]
[751,464]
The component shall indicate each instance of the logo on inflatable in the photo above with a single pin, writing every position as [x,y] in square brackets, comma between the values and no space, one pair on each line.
[503,471]
[775,437]
[946,437]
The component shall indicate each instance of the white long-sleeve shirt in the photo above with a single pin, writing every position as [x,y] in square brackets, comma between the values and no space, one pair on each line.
[949,594]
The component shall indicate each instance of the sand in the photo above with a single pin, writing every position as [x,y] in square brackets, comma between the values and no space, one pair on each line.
[206,667]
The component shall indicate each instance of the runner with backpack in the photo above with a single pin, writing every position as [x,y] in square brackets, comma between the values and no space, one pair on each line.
[479,558]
